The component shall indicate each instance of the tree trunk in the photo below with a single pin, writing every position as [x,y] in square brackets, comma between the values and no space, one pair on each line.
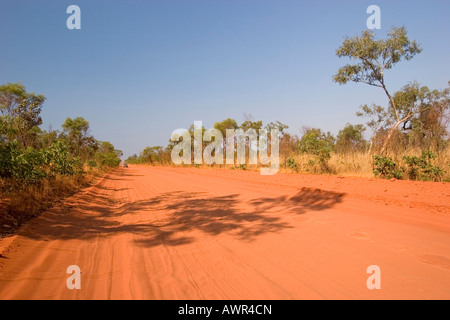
[370,146]
[389,136]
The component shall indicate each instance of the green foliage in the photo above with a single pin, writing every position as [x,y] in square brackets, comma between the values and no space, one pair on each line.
[281,127]
[133,159]
[28,154]
[28,165]
[76,134]
[350,138]
[222,126]
[415,168]
[91,163]
[20,113]
[317,143]
[428,128]
[374,56]
[290,163]
[107,156]
[22,164]
[150,155]
[386,168]
[249,124]
[240,167]
[421,168]
[59,161]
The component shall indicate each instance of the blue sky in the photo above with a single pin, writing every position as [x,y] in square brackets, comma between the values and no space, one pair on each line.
[137,70]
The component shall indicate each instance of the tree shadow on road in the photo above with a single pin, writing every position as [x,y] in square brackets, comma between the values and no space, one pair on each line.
[175,218]
[307,199]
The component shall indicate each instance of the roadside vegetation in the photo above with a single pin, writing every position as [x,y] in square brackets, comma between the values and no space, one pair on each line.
[408,138]
[38,167]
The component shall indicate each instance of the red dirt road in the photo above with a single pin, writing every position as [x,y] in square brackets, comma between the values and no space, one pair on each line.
[184,233]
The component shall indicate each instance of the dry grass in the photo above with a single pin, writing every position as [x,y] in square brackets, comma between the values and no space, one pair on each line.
[350,164]
[20,203]
[357,164]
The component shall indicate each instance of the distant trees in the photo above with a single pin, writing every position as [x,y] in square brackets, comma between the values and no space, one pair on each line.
[106,155]
[160,155]
[415,118]
[151,155]
[223,125]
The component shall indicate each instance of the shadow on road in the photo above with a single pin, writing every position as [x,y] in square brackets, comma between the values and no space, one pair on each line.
[169,218]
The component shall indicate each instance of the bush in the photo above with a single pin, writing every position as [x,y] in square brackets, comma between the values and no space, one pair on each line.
[415,168]
[421,168]
[386,168]
[22,165]
[319,144]
[30,165]
[290,163]
[107,156]
[59,161]
[91,164]
[109,159]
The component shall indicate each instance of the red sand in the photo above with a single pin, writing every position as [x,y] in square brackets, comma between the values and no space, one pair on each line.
[184,233]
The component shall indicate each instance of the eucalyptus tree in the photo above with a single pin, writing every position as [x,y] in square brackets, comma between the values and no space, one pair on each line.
[370,59]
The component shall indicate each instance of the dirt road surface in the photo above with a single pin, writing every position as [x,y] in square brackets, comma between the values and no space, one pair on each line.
[185,233]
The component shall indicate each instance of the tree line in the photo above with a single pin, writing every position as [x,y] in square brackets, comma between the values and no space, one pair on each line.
[29,154]
[415,120]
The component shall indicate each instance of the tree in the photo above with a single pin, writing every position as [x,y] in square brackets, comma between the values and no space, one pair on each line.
[21,113]
[278,126]
[80,142]
[428,129]
[373,58]
[288,144]
[106,155]
[318,143]
[151,154]
[46,138]
[350,138]
[223,125]
[379,119]
[249,123]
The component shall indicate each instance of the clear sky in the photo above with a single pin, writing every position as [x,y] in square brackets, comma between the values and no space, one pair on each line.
[137,70]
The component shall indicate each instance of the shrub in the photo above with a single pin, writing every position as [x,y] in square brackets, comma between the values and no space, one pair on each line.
[30,165]
[24,165]
[319,144]
[290,163]
[59,161]
[386,168]
[421,168]
[91,164]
